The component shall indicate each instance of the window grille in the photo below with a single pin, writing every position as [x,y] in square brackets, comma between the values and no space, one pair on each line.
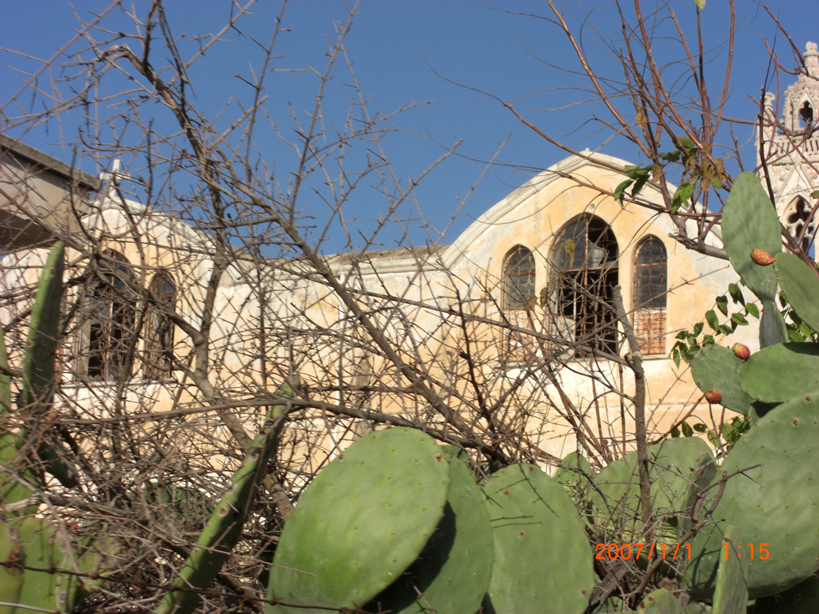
[107,336]
[158,357]
[585,272]
[518,288]
[650,292]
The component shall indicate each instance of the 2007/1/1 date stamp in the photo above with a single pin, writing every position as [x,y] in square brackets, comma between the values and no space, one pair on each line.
[625,551]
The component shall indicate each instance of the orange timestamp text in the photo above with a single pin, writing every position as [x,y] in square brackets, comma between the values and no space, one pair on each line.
[625,551]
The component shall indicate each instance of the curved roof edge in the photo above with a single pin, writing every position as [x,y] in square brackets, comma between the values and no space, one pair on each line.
[537,183]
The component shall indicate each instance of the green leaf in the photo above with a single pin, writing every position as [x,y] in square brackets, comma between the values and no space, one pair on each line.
[736,294]
[683,334]
[698,327]
[752,309]
[708,341]
[712,319]
[739,319]
[675,432]
[722,304]
[638,185]
[635,172]
[687,143]
[713,438]
[675,355]
[670,156]
[700,428]
[681,196]
[725,330]
[687,430]
[692,341]
[620,190]
[795,335]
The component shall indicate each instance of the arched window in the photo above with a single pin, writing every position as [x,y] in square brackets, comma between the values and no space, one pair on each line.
[518,288]
[806,115]
[585,272]
[158,360]
[797,217]
[107,337]
[518,278]
[650,290]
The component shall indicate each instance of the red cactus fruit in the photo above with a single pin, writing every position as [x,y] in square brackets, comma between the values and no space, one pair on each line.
[761,257]
[741,351]
[712,396]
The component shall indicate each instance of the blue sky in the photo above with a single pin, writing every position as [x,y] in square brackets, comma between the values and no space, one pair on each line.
[464,55]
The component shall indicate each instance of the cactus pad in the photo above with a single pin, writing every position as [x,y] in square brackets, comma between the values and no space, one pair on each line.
[452,571]
[574,471]
[776,504]
[361,522]
[11,489]
[716,368]
[772,329]
[731,592]
[38,547]
[801,599]
[33,543]
[543,560]
[749,222]
[41,346]
[762,376]
[222,530]
[676,467]
[660,601]
[11,579]
[801,285]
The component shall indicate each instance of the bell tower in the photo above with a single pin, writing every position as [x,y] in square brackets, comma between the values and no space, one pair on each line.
[792,149]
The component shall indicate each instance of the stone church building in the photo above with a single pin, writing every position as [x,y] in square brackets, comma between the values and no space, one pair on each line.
[516,316]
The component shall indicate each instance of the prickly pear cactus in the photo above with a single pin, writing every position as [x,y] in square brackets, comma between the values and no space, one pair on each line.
[801,285]
[731,591]
[452,572]
[773,502]
[801,599]
[361,523]
[33,543]
[676,467]
[660,601]
[574,473]
[41,346]
[39,358]
[543,560]
[11,578]
[12,484]
[715,368]
[221,532]
[749,222]
[763,375]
